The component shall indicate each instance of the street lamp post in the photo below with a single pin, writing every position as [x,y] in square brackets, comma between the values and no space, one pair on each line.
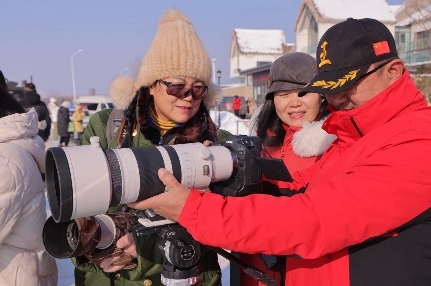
[73,74]
[218,80]
[213,70]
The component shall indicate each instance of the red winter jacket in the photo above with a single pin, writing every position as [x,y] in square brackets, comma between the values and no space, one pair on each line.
[301,148]
[365,216]
[236,104]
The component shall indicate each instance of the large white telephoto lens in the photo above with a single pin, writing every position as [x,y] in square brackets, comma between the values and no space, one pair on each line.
[87,180]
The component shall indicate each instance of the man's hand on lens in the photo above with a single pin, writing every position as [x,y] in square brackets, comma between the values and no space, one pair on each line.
[126,253]
[168,204]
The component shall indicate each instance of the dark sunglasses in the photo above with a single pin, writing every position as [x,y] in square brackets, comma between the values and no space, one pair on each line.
[179,90]
[376,68]
[352,90]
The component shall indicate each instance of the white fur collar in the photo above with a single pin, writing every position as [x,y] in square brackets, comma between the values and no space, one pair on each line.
[311,140]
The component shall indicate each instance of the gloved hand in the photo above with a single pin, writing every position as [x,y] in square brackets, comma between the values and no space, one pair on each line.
[121,255]
[125,255]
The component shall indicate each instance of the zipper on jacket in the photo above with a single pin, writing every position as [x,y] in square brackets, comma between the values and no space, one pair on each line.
[162,138]
[286,141]
[356,127]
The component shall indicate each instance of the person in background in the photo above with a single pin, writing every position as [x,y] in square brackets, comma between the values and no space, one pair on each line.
[53,112]
[52,105]
[361,214]
[251,107]
[252,124]
[63,119]
[236,105]
[291,129]
[167,104]
[77,117]
[32,99]
[23,259]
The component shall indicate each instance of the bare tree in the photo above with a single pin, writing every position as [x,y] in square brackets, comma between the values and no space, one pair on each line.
[419,12]
[422,79]
[416,9]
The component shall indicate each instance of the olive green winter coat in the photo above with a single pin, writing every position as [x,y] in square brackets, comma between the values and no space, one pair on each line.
[150,260]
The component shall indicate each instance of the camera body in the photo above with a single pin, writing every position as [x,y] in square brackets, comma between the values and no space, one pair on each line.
[244,180]
[246,176]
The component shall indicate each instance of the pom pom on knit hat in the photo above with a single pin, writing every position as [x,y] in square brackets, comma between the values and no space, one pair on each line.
[122,91]
[176,51]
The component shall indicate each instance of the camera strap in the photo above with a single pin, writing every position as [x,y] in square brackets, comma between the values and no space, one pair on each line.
[125,138]
[254,272]
[275,263]
[115,120]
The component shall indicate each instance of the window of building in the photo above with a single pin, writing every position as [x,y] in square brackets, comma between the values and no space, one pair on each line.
[312,36]
[422,39]
[262,63]
[249,80]
[259,92]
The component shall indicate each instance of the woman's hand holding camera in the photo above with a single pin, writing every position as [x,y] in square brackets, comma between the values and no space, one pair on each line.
[125,255]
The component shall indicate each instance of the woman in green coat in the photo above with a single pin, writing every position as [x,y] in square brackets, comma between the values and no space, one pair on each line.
[167,104]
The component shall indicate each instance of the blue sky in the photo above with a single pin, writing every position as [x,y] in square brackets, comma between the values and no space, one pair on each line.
[39,37]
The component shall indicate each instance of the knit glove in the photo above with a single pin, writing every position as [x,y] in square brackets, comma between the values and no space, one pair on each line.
[117,256]
[125,256]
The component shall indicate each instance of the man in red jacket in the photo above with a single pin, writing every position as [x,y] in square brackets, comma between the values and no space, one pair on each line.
[236,105]
[365,215]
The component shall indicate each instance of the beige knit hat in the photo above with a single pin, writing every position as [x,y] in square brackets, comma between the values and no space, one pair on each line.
[176,50]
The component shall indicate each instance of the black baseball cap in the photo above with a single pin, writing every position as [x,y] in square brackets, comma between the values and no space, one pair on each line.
[346,51]
[291,71]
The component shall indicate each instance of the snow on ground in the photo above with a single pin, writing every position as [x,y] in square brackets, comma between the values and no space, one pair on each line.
[230,123]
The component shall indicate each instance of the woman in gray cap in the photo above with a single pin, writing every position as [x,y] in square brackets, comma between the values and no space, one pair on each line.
[290,129]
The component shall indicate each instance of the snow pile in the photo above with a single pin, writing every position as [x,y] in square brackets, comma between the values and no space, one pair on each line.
[230,122]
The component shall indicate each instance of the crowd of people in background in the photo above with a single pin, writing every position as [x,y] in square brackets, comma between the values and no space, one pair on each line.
[56,121]
[61,124]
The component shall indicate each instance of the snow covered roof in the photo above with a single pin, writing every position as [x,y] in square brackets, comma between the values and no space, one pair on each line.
[260,41]
[343,9]
[420,15]
[394,8]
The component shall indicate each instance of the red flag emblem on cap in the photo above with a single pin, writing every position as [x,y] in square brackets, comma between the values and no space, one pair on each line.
[381,48]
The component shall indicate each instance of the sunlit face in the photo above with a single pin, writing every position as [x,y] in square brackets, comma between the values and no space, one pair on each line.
[357,95]
[294,110]
[172,108]
[364,89]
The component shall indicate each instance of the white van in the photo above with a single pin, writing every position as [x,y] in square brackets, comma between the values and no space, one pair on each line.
[93,103]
